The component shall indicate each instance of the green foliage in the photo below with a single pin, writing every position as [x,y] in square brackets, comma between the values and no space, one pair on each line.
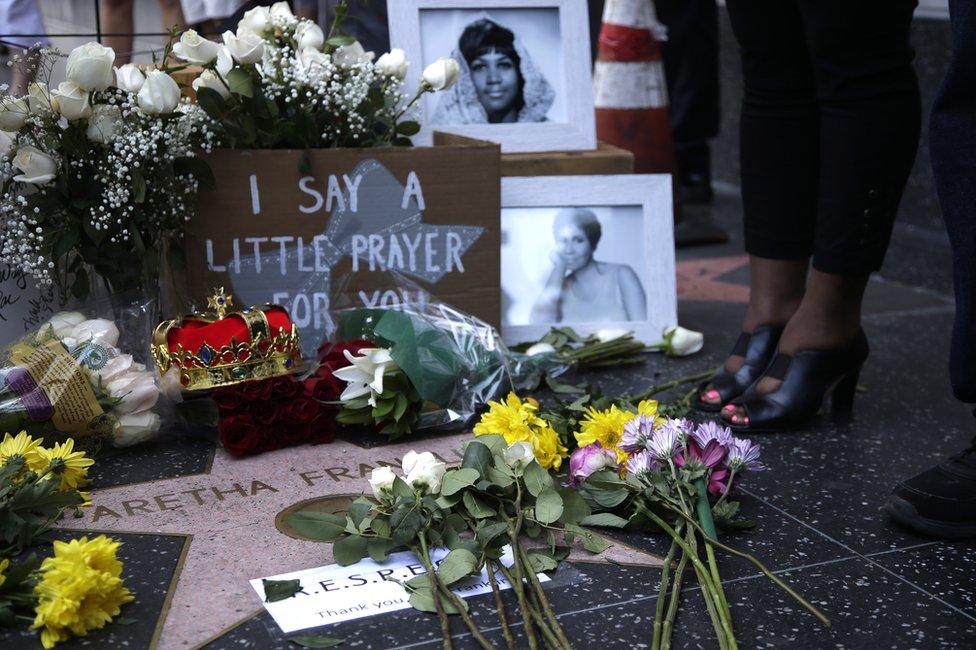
[275,590]
[315,641]
[28,506]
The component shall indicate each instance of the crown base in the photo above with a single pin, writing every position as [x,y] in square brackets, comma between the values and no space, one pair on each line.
[196,378]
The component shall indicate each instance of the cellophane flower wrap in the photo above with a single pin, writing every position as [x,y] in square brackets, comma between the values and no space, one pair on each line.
[83,374]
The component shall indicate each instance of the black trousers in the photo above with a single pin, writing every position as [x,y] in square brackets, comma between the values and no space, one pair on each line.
[953,143]
[829,129]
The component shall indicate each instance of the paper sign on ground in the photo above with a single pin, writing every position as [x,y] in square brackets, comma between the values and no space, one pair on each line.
[333,593]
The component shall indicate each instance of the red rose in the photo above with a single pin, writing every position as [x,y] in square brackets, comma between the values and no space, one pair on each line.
[285,387]
[323,428]
[324,389]
[256,390]
[265,413]
[238,435]
[228,399]
[302,410]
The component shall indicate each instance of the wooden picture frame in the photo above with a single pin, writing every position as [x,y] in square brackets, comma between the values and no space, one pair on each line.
[529,209]
[569,125]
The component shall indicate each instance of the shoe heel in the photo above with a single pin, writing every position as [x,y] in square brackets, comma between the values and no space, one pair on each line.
[842,397]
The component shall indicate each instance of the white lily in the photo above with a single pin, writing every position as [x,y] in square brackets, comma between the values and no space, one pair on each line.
[365,375]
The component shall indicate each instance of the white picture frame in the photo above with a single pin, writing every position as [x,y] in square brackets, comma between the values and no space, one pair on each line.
[573,129]
[648,195]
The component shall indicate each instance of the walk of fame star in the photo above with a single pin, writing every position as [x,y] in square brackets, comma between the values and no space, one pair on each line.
[230,516]
[700,279]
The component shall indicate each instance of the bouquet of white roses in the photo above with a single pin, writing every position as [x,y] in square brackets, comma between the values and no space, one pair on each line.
[70,377]
[279,81]
[98,175]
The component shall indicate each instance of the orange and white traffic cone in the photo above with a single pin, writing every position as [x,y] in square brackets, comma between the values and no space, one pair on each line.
[630,93]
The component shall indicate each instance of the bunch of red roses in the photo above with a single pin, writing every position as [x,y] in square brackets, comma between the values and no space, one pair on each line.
[267,414]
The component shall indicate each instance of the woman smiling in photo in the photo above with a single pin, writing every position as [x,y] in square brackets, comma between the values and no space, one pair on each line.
[499,82]
[581,289]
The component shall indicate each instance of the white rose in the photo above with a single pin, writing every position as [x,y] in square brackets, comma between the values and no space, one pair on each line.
[381,480]
[423,470]
[349,55]
[680,342]
[393,63]
[7,141]
[244,48]
[254,21]
[317,66]
[14,112]
[104,122]
[441,74]
[71,100]
[225,62]
[129,78]
[611,334]
[131,429]
[308,34]
[540,348]
[160,94]
[64,321]
[115,368]
[136,392]
[101,331]
[36,167]
[39,98]
[193,48]
[519,454]
[90,66]
[281,10]
[209,79]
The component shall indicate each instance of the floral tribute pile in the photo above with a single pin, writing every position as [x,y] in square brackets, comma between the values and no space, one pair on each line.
[78,588]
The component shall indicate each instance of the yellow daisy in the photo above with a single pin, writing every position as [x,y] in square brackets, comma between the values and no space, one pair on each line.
[517,421]
[607,426]
[3,567]
[548,448]
[21,446]
[72,466]
[80,589]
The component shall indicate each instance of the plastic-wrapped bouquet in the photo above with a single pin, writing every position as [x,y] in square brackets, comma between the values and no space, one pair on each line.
[70,377]
[677,478]
[280,81]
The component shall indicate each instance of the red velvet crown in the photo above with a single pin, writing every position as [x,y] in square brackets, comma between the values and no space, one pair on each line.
[215,349]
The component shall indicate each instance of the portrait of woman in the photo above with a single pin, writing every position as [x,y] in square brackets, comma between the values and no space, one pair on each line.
[580,288]
[499,82]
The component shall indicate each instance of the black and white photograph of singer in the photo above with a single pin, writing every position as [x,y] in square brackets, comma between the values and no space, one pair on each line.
[580,288]
[499,82]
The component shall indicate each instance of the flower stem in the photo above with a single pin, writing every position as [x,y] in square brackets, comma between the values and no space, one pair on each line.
[500,606]
[711,601]
[517,585]
[438,604]
[673,605]
[708,526]
[540,594]
[662,593]
[660,388]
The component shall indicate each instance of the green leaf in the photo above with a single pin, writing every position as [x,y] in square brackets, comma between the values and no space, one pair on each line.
[542,561]
[340,41]
[275,590]
[591,541]
[315,641]
[457,565]
[211,102]
[138,186]
[408,128]
[349,550]
[536,479]
[67,241]
[406,523]
[574,506]
[458,479]
[486,534]
[548,506]
[477,457]
[476,507]
[378,549]
[318,526]
[358,510]
[604,519]
[239,82]
[493,441]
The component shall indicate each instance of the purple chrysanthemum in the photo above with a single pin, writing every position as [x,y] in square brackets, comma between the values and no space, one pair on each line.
[642,463]
[668,438]
[711,430]
[636,434]
[744,456]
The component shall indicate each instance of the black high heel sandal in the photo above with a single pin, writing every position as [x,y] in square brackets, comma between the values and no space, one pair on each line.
[757,349]
[808,377]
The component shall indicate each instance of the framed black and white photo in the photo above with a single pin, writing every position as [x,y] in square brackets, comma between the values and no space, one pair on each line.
[590,252]
[525,78]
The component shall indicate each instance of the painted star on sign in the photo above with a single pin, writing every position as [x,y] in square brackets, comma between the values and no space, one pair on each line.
[233,518]
[700,279]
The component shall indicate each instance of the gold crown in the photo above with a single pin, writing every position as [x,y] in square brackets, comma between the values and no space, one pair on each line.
[213,349]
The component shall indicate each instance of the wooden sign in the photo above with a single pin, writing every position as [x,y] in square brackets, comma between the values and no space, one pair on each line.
[360,227]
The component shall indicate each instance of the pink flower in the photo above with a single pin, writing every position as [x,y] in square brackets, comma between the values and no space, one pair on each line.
[709,457]
[589,459]
[715,484]
[711,430]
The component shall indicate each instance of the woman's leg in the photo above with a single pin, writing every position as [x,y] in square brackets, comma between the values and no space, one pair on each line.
[117,19]
[779,159]
[869,126]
